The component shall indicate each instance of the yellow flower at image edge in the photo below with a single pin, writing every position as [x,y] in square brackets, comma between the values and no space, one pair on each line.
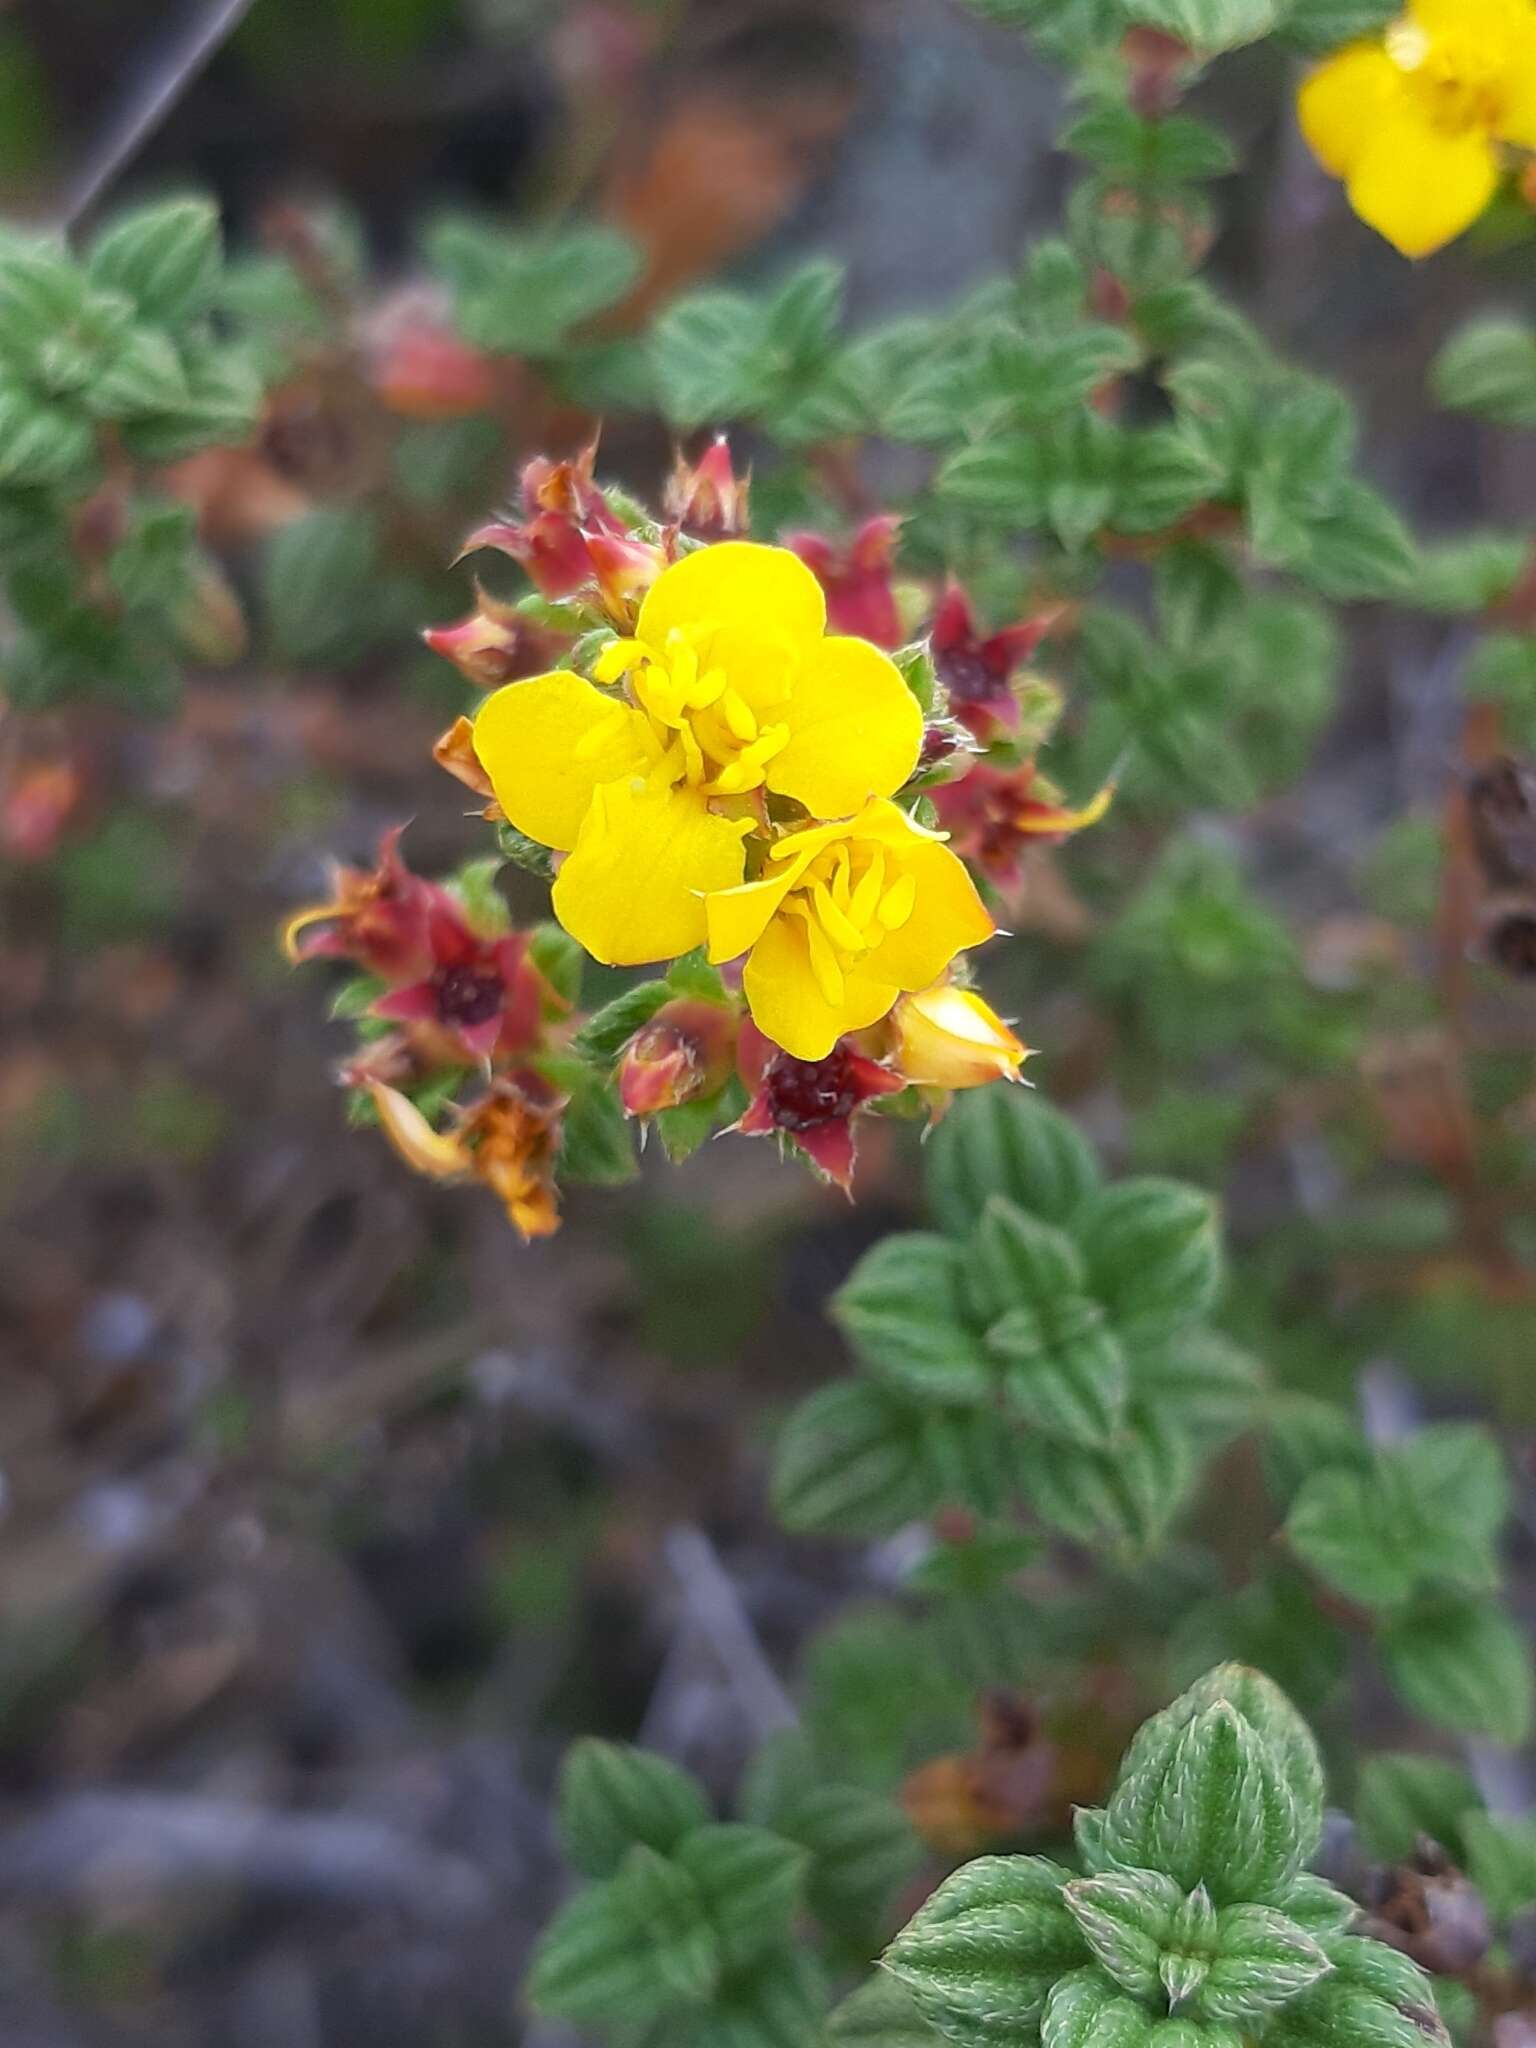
[734,689]
[846,918]
[1412,120]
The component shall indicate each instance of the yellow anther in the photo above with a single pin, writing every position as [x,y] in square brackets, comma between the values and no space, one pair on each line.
[824,963]
[835,924]
[737,714]
[897,904]
[617,659]
[867,894]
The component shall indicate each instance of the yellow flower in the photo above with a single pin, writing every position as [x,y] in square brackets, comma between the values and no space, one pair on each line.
[846,917]
[947,1037]
[1412,121]
[733,689]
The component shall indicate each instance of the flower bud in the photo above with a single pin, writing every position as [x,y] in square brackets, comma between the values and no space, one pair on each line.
[486,648]
[708,501]
[947,1037]
[625,569]
[686,1050]
[425,372]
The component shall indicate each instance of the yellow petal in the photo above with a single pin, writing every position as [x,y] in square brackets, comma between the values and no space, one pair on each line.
[1489,25]
[750,593]
[1517,121]
[735,917]
[1421,187]
[633,889]
[434,1153]
[947,917]
[1343,102]
[788,1004]
[855,730]
[548,743]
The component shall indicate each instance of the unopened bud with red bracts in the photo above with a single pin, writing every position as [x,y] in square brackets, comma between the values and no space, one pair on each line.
[707,500]
[858,578]
[625,569]
[36,807]
[495,644]
[948,1037]
[685,1051]
[424,371]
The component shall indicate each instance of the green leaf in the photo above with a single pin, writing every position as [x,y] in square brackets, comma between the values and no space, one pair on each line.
[629,1949]
[1348,1528]
[1125,1496]
[1127,1918]
[1263,1960]
[1472,573]
[1063,1369]
[143,376]
[1153,1251]
[880,2014]
[781,2003]
[320,580]
[153,566]
[1452,1477]
[902,1311]
[1463,1664]
[981,1957]
[557,956]
[1359,548]
[1316,1905]
[1374,1997]
[521,294]
[608,1030]
[1301,1433]
[1089,2010]
[1208,26]
[802,317]
[597,1143]
[1153,154]
[1402,1797]
[850,1460]
[41,444]
[1017,1261]
[1007,1141]
[751,1881]
[1161,477]
[1501,1860]
[1267,1710]
[166,258]
[862,1850]
[1206,1800]
[1323,26]
[221,405]
[1490,368]
[711,359]
[1203,1381]
[613,1796]
[42,295]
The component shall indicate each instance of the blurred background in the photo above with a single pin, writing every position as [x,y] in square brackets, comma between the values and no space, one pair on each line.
[328,1512]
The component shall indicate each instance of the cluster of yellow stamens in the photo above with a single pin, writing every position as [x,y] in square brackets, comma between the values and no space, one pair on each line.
[706,732]
[847,905]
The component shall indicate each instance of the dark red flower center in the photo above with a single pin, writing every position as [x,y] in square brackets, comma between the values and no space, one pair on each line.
[804,1093]
[967,675]
[469,995]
